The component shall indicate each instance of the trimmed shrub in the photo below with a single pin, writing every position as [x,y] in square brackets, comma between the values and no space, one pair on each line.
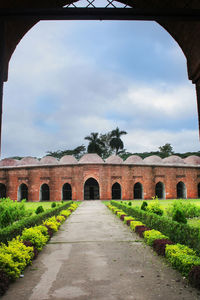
[160,245]
[61,219]
[126,219]
[182,258]
[39,210]
[29,244]
[194,276]
[133,224]
[151,235]
[144,205]
[4,282]
[189,210]
[129,203]
[35,236]
[52,223]
[141,229]
[50,231]
[178,216]
[53,204]
[155,208]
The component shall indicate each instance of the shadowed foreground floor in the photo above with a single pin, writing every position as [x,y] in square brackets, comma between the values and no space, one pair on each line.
[94,256]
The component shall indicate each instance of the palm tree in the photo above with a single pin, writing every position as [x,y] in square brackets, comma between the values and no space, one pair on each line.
[116,142]
[95,144]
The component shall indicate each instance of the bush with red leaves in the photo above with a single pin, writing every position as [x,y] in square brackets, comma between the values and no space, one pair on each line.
[50,231]
[129,221]
[194,277]
[29,244]
[4,282]
[160,245]
[122,217]
[140,229]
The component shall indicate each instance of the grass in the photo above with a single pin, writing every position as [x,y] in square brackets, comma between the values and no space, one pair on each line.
[31,206]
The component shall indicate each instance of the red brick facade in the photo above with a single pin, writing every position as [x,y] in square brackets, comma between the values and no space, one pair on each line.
[55,176]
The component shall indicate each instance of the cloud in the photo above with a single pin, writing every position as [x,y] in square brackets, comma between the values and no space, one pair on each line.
[62,86]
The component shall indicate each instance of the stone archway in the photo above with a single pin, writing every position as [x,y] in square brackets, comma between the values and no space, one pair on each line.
[44,192]
[22,192]
[181,190]
[160,190]
[91,189]
[138,191]
[116,191]
[2,190]
[66,192]
[198,190]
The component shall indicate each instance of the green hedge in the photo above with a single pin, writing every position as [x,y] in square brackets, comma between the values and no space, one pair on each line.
[10,232]
[178,233]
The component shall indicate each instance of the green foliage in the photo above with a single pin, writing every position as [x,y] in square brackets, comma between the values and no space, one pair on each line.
[144,205]
[11,211]
[166,150]
[155,208]
[116,143]
[133,224]
[53,204]
[9,232]
[35,236]
[178,216]
[39,210]
[189,210]
[177,232]
[182,258]
[65,213]
[95,143]
[129,203]
[52,223]
[14,257]
[76,152]
[151,235]
[128,218]
[61,219]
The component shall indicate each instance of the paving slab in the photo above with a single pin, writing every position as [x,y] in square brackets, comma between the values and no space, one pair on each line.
[94,256]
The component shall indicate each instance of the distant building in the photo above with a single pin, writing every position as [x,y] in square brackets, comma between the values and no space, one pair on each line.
[92,178]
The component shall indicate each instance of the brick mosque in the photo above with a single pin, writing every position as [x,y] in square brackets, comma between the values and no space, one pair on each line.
[92,178]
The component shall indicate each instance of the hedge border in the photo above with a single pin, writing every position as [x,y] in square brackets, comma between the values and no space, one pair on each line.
[178,233]
[10,232]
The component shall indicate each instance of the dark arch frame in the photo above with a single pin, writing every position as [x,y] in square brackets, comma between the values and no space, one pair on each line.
[181,190]
[22,192]
[138,191]
[2,190]
[116,191]
[66,191]
[160,190]
[198,190]
[44,192]
[91,189]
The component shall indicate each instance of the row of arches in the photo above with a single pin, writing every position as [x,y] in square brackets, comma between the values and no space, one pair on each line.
[92,191]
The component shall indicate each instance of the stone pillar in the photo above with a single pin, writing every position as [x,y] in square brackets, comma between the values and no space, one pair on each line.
[2,71]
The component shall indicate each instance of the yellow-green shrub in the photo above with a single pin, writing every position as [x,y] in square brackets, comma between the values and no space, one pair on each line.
[52,223]
[8,265]
[43,229]
[128,218]
[61,219]
[66,213]
[35,236]
[151,235]
[133,224]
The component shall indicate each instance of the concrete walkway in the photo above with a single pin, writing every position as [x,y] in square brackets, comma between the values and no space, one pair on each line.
[95,256]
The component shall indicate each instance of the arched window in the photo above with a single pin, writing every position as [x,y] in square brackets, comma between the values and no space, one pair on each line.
[138,191]
[91,189]
[66,192]
[22,192]
[181,190]
[160,190]
[198,187]
[2,190]
[44,192]
[116,191]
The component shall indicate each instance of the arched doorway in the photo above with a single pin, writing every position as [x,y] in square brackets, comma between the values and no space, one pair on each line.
[138,191]
[22,192]
[198,190]
[116,191]
[66,192]
[181,190]
[160,190]
[44,192]
[2,190]
[91,189]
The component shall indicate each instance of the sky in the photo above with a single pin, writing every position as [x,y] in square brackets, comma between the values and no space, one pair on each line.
[70,78]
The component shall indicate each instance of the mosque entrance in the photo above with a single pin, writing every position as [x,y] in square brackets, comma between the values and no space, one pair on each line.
[91,189]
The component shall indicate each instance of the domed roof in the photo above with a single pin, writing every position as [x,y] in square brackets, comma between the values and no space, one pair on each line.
[91,158]
[48,160]
[133,159]
[192,160]
[173,159]
[114,159]
[153,159]
[68,160]
[28,161]
[6,162]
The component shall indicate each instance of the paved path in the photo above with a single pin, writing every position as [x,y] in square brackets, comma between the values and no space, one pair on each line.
[95,256]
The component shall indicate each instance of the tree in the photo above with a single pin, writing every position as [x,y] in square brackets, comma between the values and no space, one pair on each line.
[76,152]
[166,150]
[116,142]
[95,144]
[106,149]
